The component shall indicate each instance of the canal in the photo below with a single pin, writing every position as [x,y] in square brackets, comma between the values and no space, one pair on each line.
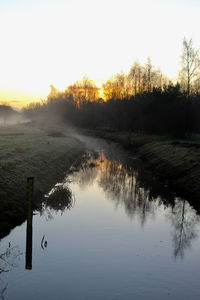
[110,230]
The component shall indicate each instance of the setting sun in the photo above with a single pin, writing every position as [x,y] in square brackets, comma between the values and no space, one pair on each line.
[59,42]
[99,149]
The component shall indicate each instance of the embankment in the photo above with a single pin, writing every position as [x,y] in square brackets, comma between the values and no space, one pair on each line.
[26,151]
[175,162]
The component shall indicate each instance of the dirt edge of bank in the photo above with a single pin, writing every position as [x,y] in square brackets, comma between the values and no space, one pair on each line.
[175,162]
[27,151]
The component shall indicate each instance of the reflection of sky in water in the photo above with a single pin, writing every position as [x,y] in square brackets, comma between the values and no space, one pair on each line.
[121,248]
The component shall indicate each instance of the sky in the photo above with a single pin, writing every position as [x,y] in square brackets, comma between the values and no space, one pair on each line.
[46,42]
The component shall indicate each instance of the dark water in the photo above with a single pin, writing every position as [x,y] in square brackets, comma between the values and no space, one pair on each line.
[121,236]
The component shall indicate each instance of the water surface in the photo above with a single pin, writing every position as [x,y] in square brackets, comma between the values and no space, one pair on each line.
[122,236]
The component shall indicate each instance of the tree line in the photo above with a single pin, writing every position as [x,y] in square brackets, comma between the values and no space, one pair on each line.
[144,100]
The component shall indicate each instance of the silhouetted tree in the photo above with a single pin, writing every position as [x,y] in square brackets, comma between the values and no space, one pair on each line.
[190,65]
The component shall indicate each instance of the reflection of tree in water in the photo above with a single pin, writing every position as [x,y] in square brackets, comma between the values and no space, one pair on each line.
[61,197]
[2,291]
[7,262]
[127,186]
[8,258]
[121,184]
[59,200]
[88,168]
[184,221]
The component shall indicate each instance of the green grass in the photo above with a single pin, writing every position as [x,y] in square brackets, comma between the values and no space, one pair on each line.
[26,151]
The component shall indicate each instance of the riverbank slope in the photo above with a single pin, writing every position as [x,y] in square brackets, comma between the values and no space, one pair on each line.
[175,162]
[26,151]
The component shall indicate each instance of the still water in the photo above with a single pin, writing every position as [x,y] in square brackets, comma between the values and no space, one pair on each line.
[122,235]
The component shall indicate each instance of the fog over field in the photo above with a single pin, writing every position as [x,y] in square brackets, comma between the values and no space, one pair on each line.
[99,149]
[11,116]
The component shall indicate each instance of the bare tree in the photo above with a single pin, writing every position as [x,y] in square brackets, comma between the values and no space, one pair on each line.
[190,61]
[149,68]
[135,78]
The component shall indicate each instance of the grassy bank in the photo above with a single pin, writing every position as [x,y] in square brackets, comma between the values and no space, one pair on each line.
[175,162]
[26,151]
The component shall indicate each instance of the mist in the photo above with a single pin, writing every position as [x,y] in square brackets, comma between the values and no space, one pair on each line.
[115,172]
[10,116]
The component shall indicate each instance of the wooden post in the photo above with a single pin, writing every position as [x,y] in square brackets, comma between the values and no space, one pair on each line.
[29,228]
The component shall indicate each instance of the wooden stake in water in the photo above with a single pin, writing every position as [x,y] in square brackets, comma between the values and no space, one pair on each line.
[29,228]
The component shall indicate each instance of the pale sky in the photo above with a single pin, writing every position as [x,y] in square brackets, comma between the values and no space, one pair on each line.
[59,41]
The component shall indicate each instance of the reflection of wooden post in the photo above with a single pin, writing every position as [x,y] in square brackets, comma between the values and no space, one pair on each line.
[29,229]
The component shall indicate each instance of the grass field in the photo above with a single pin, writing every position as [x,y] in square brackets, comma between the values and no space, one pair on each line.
[26,151]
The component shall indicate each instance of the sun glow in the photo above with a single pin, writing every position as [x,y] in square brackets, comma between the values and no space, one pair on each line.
[59,42]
